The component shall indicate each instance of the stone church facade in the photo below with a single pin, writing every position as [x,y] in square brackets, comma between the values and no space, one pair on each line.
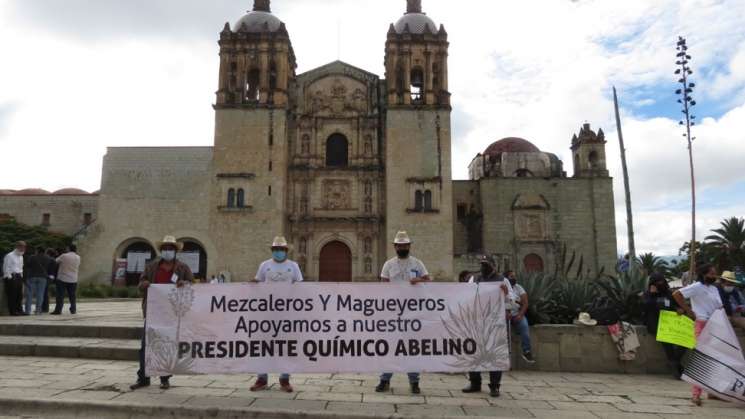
[337,159]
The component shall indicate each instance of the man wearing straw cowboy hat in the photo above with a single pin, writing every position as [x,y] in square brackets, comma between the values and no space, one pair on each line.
[163,270]
[401,268]
[732,298]
[277,269]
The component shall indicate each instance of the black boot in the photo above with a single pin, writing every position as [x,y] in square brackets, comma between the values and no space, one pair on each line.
[472,388]
[493,391]
[140,384]
[383,386]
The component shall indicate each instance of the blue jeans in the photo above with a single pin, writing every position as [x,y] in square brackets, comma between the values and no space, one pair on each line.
[523,329]
[265,377]
[35,290]
[413,377]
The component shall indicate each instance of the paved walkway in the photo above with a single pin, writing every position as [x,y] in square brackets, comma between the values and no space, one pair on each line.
[524,394]
[90,313]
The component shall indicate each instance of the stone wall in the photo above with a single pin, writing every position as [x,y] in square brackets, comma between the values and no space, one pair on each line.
[418,158]
[568,348]
[66,212]
[147,193]
[579,214]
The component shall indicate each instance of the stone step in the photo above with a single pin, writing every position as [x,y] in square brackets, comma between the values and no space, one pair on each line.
[70,347]
[57,329]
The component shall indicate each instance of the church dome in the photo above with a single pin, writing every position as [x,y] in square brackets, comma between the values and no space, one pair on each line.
[70,191]
[417,23]
[32,191]
[511,145]
[258,20]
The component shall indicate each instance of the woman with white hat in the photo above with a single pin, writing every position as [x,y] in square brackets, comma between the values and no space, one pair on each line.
[277,269]
[732,298]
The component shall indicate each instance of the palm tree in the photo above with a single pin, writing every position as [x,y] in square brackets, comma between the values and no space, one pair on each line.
[728,243]
[651,263]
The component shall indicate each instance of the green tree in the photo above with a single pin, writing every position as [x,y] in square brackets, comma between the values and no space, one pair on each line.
[12,231]
[727,244]
[651,264]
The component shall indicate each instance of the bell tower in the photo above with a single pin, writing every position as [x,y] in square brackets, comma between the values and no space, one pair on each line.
[250,155]
[417,148]
[588,153]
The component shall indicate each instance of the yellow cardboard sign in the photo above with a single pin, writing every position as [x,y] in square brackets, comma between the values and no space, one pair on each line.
[676,329]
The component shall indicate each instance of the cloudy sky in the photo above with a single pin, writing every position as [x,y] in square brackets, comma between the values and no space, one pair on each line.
[80,75]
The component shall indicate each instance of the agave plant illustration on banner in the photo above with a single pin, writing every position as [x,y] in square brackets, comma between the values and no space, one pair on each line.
[479,321]
[163,349]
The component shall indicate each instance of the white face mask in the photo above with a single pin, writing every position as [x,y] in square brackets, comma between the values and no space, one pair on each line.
[729,290]
[168,255]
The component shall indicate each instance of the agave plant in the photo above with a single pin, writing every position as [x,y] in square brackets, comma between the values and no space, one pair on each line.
[569,298]
[624,293]
[539,287]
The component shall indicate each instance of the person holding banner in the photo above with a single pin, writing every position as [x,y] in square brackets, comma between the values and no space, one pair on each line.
[489,274]
[277,269]
[164,270]
[705,300]
[401,268]
[659,297]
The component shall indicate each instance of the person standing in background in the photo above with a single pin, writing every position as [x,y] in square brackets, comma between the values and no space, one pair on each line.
[659,297]
[67,279]
[13,278]
[36,284]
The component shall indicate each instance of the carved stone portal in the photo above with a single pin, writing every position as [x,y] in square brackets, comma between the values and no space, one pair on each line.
[336,194]
[338,97]
[531,227]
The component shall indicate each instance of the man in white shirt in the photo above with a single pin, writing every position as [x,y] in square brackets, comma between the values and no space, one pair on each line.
[13,278]
[402,268]
[518,307]
[277,269]
[67,279]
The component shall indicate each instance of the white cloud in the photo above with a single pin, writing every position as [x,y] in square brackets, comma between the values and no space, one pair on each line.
[144,73]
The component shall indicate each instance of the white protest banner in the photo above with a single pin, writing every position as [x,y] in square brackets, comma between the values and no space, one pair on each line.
[717,364]
[325,327]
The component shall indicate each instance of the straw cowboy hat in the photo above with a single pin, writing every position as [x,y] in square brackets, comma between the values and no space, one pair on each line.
[280,241]
[402,238]
[585,319]
[730,276]
[170,240]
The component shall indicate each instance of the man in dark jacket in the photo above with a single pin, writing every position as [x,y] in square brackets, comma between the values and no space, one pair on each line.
[659,297]
[488,273]
[163,270]
[36,284]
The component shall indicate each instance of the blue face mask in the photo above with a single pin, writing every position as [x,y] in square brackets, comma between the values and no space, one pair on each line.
[279,255]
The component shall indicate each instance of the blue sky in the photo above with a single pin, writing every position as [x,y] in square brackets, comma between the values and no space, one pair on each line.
[144,72]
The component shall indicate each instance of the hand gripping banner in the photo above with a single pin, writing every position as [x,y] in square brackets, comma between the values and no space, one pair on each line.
[717,364]
[325,327]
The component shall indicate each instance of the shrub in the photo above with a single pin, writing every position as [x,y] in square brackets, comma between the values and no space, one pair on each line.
[97,290]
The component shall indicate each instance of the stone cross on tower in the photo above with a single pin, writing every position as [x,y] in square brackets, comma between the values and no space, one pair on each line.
[262,6]
[413,6]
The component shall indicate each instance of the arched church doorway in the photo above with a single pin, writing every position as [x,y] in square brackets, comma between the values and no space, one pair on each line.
[137,253]
[336,263]
[194,255]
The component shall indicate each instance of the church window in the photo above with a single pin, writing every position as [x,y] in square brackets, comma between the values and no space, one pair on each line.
[252,85]
[533,263]
[428,200]
[418,201]
[270,166]
[305,145]
[523,173]
[417,85]
[46,219]
[231,198]
[240,198]
[270,190]
[368,145]
[272,76]
[337,151]
[593,159]
[462,211]
[368,265]
[87,218]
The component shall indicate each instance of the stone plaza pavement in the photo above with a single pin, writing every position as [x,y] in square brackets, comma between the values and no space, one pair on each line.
[57,385]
